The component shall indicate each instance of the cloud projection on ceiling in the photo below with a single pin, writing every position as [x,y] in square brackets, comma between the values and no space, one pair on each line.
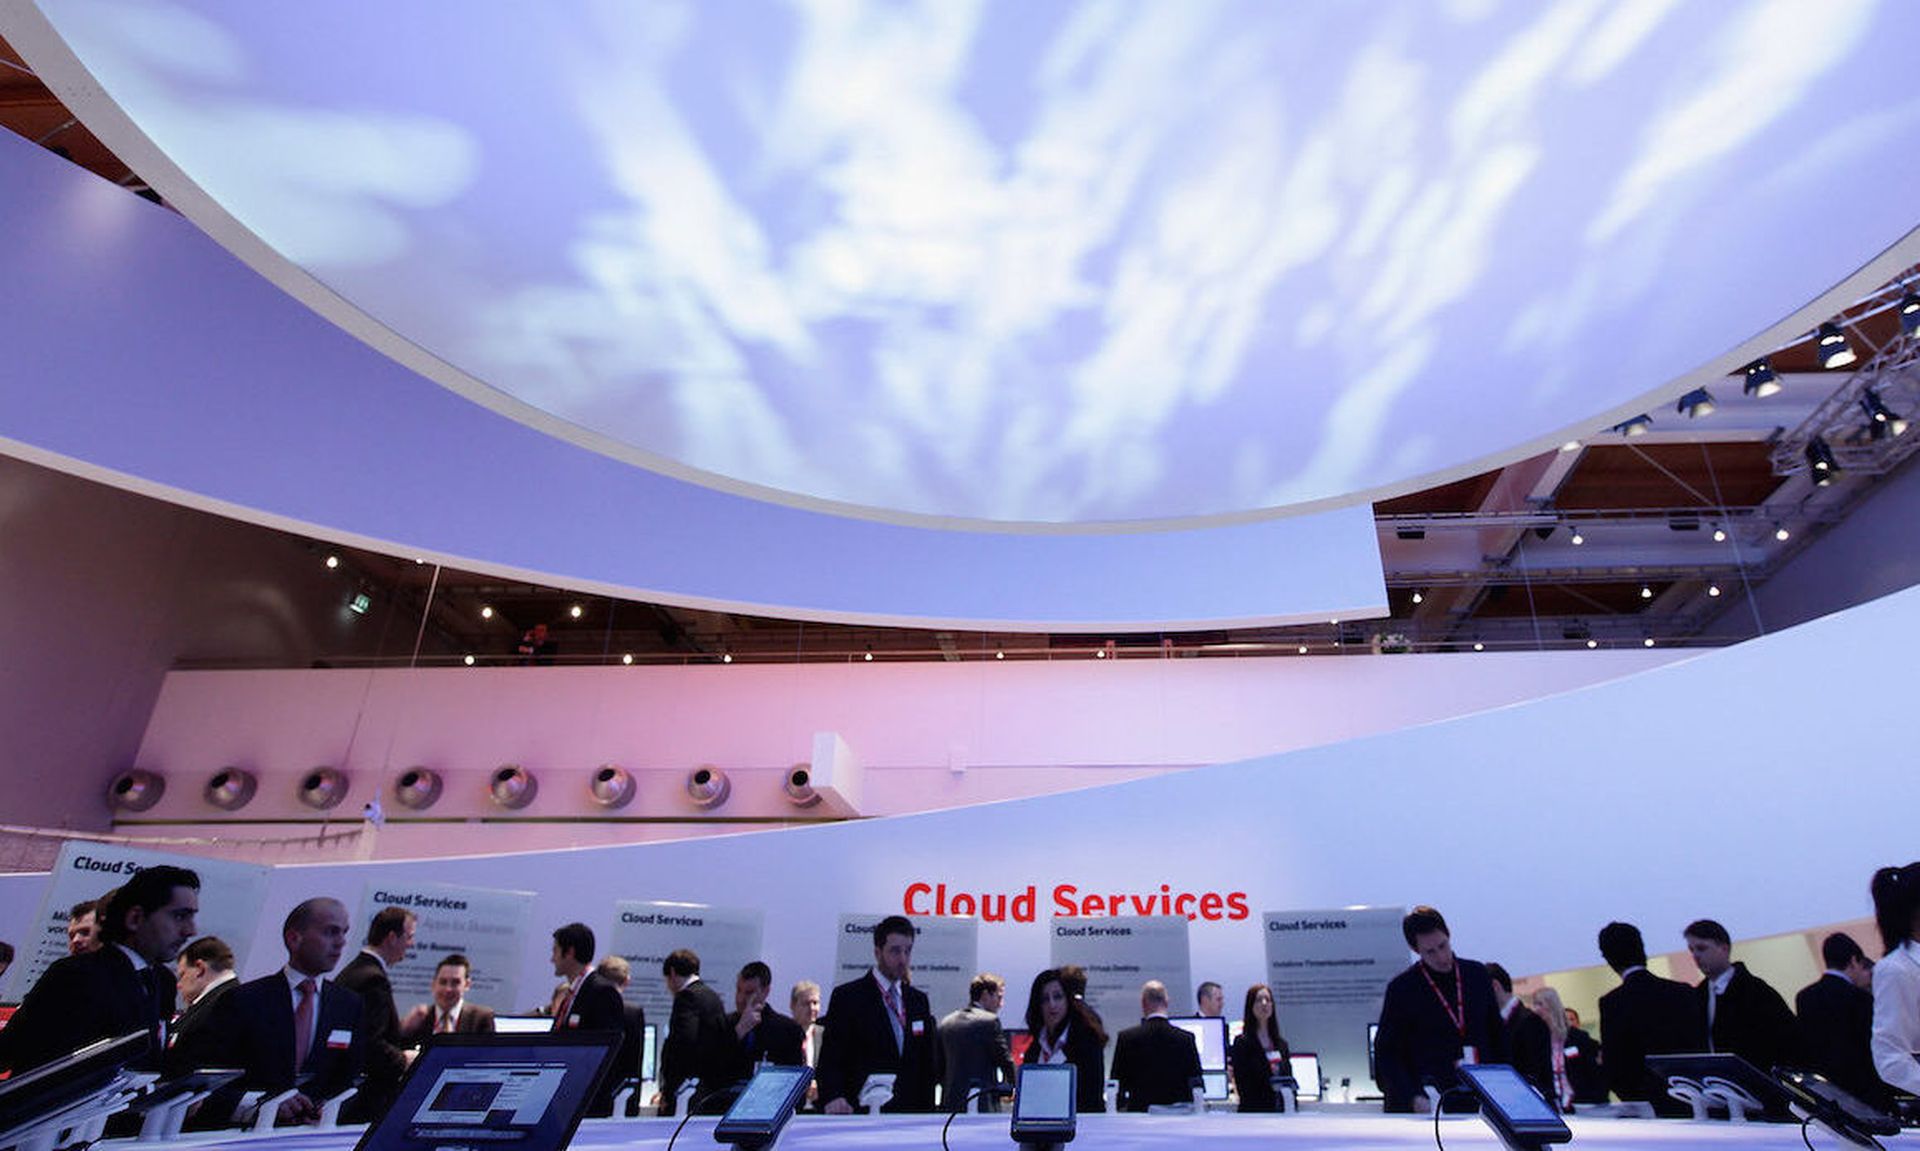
[1055,263]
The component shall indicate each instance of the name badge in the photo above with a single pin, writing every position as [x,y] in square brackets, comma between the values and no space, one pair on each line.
[573,1020]
[1573,1052]
[1469,1054]
[919,1027]
[339,1039]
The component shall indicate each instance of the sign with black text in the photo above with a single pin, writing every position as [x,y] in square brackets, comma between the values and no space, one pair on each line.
[946,955]
[1329,971]
[1120,953]
[487,926]
[725,938]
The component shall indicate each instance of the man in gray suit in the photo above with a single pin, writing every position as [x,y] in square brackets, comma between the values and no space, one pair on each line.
[977,1051]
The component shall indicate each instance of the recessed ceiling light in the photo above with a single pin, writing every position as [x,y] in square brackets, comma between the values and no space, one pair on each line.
[869,656]
[1713,589]
[1647,642]
[1577,538]
[999,653]
[1646,592]
[1100,653]
[576,611]
[486,611]
[726,657]
[627,659]
[1719,535]
[1417,597]
[333,562]
[468,660]
[1593,643]
[1782,534]
[1478,646]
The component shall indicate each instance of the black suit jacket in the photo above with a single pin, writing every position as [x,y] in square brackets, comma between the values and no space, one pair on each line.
[1585,1068]
[1751,1021]
[472,1020]
[698,1046]
[1088,1054]
[189,1049]
[87,997]
[1836,1035]
[776,1040]
[1529,1048]
[1253,1076]
[857,1041]
[1647,1015]
[1155,1062]
[597,1006]
[1418,1043]
[252,1029]
[383,1048]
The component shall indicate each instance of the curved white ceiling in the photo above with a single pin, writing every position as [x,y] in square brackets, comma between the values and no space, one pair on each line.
[1038,263]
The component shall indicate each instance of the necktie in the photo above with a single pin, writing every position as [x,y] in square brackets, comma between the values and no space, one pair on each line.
[566,1009]
[303,1024]
[446,1022]
[896,1017]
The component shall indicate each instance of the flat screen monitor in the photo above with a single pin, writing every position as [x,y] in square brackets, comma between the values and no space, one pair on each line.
[34,1095]
[500,1092]
[1305,1067]
[522,1024]
[1210,1032]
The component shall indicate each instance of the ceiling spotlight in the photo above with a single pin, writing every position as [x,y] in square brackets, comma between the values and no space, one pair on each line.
[323,788]
[1100,653]
[1647,642]
[1761,381]
[135,790]
[1696,403]
[1570,446]
[512,786]
[1882,416]
[869,656]
[1478,646]
[999,653]
[1910,313]
[799,787]
[1713,589]
[1639,425]
[1592,643]
[467,659]
[417,788]
[611,786]
[1719,535]
[1821,462]
[1834,350]
[1782,534]
[230,788]
[707,786]
[1418,598]
[626,660]
[486,611]
[1577,539]
[333,562]
[576,611]
[726,657]
[1303,649]
[1646,592]
[360,602]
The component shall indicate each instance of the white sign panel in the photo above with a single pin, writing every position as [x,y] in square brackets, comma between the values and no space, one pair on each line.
[1121,953]
[489,927]
[231,895]
[1329,972]
[946,956]
[725,938]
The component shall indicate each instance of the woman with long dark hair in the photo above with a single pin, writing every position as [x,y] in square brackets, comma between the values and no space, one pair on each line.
[1259,1053]
[1064,1031]
[1896,978]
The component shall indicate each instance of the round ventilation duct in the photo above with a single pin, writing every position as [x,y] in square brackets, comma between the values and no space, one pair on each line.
[231,788]
[708,786]
[513,786]
[417,788]
[135,790]
[611,786]
[323,788]
[799,786]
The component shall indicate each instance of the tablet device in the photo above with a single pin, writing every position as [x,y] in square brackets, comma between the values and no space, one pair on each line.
[763,1108]
[500,1092]
[1043,1103]
[1510,1105]
[1845,1113]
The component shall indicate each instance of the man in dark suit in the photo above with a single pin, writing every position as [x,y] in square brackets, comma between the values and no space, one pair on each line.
[205,974]
[760,1034]
[1744,1014]
[591,1002]
[1835,1013]
[294,1027]
[1154,1061]
[1528,1042]
[975,1046]
[698,1044]
[368,975]
[630,1061]
[1645,1015]
[880,1023]
[123,986]
[1433,1012]
[449,1012]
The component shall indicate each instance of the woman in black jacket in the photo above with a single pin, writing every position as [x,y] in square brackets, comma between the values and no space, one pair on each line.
[1260,1053]
[1064,1031]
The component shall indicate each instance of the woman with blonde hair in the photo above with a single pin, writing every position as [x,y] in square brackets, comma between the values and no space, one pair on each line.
[1547,1005]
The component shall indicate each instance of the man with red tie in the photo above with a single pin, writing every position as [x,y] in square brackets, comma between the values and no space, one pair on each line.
[449,1012]
[591,1002]
[294,1027]
[881,1023]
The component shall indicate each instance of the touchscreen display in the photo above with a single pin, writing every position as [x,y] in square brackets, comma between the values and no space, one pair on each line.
[766,1095]
[1046,1093]
[1514,1096]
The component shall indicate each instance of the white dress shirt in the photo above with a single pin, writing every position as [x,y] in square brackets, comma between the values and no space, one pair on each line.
[1896,1017]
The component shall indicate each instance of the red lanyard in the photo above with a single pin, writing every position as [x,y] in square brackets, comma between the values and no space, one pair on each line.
[1458,1018]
